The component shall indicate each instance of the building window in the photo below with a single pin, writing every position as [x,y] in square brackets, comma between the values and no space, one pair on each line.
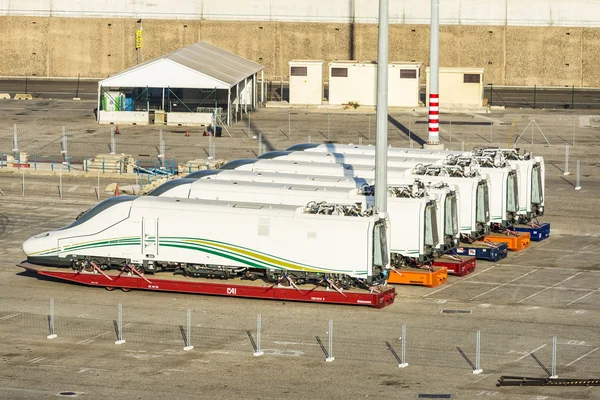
[339,72]
[471,78]
[408,74]
[299,71]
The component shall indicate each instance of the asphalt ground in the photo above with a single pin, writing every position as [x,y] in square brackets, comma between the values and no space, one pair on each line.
[518,304]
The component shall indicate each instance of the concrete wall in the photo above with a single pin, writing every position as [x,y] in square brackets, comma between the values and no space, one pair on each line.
[99,47]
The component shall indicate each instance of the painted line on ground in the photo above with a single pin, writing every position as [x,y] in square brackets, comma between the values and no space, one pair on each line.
[446,286]
[8,317]
[585,355]
[532,351]
[524,285]
[582,297]
[504,284]
[543,290]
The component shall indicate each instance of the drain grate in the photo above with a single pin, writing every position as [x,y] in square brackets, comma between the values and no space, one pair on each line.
[456,311]
[434,396]
[68,394]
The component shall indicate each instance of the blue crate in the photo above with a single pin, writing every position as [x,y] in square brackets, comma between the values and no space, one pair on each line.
[537,234]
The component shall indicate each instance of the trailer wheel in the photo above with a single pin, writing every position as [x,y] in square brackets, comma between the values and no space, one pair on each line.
[109,288]
[125,289]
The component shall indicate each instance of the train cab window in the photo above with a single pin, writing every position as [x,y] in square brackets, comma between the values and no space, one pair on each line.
[483,203]
[168,185]
[512,204]
[238,163]
[536,185]
[431,229]
[380,246]
[451,216]
[98,208]
[202,173]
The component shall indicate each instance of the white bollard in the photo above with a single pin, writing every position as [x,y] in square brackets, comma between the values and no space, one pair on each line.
[258,351]
[478,369]
[578,185]
[52,334]
[566,161]
[404,364]
[331,358]
[120,339]
[188,345]
[554,375]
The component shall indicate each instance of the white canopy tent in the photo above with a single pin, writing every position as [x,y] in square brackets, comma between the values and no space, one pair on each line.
[200,66]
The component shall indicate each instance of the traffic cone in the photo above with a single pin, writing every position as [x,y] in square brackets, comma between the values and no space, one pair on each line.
[187,133]
[117,190]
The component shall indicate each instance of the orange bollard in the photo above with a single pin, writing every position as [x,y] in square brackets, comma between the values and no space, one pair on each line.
[117,190]
[187,133]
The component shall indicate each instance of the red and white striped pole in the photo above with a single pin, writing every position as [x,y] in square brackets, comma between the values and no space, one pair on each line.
[434,70]
[434,118]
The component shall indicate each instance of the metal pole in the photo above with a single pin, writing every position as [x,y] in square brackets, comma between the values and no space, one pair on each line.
[23,182]
[573,131]
[382,111]
[258,351]
[112,140]
[404,364]
[478,369]
[188,345]
[77,91]
[330,347]
[566,161]
[578,186]
[120,339]
[434,63]
[534,95]
[98,192]
[260,144]
[491,132]
[289,124]
[52,334]
[15,143]
[491,94]
[64,143]
[328,124]
[573,98]
[554,376]
[60,182]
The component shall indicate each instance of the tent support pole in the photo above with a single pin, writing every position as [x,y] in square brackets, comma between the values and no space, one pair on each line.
[229,106]
[245,95]
[237,100]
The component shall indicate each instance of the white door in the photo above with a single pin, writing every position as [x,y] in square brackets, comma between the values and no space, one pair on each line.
[149,237]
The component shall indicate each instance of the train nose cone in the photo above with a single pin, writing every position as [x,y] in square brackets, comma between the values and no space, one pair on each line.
[34,244]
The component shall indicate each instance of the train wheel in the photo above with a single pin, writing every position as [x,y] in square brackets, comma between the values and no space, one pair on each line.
[125,289]
[109,288]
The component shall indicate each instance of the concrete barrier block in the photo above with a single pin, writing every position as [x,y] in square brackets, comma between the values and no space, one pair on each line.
[23,96]
[4,96]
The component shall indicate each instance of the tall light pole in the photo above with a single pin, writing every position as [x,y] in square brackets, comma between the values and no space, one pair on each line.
[434,72]
[382,111]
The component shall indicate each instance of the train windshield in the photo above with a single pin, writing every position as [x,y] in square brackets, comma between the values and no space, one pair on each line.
[537,196]
[168,185]
[512,194]
[483,205]
[97,209]
[431,229]
[380,246]
[451,215]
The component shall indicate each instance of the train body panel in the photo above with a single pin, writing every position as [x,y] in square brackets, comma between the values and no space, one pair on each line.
[474,199]
[160,231]
[414,231]
[532,171]
[447,197]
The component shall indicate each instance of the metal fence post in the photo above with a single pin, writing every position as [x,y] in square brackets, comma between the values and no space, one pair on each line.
[102,166]
[491,131]
[35,162]
[289,123]
[64,144]
[478,369]
[52,334]
[15,143]
[69,164]
[112,140]
[120,339]
[554,375]
[578,185]
[60,183]
[566,160]
[98,191]
[188,345]
[23,183]
[328,125]
[330,347]
[52,163]
[403,364]
[258,351]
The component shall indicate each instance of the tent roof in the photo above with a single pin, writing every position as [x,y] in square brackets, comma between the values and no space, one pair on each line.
[195,66]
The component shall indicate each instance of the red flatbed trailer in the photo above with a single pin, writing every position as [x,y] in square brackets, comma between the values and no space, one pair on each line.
[457,265]
[112,279]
